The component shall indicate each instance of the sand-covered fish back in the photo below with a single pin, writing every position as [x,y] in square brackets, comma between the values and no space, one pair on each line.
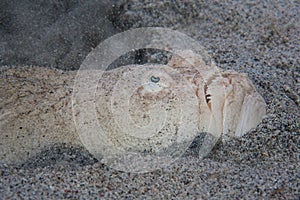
[35,111]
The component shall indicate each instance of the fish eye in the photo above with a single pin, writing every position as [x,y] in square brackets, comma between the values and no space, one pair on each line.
[155,79]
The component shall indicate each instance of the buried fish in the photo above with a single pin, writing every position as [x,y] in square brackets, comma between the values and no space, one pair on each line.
[153,108]
[159,109]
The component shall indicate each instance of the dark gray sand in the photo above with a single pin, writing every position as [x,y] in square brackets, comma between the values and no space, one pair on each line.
[260,38]
[58,33]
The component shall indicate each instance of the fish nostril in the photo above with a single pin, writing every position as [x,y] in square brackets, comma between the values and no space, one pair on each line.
[155,79]
[207,95]
[208,98]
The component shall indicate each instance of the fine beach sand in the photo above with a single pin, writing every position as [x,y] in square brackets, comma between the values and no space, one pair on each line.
[260,38]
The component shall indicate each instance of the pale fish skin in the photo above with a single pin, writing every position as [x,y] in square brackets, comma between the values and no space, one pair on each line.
[36,105]
[228,98]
